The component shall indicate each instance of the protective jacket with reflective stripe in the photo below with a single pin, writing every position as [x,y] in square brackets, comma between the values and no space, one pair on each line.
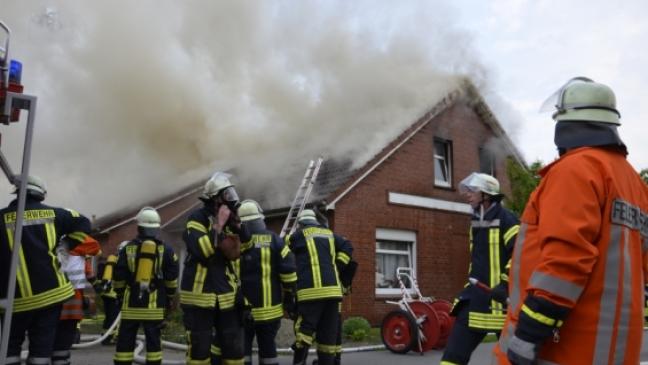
[266,266]
[582,246]
[145,304]
[208,278]
[491,244]
[318,254]
[39,280]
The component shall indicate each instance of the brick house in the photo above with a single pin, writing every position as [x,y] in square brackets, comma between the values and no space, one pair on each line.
[401,208]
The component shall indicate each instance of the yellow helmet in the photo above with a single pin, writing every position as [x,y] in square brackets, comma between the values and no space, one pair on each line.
[250,210]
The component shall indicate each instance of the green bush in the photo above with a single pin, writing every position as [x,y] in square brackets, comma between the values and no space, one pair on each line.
[356,328]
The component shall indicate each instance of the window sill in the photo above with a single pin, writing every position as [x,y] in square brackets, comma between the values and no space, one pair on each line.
[444,187]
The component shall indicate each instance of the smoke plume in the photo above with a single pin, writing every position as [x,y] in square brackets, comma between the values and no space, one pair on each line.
[138,99]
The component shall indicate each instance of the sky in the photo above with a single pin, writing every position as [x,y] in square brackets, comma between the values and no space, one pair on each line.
[139,99]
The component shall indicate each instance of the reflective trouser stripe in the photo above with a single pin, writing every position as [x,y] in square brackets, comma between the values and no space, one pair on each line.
[38,360]
[555,285]
[233,361]
[13,360]
[626,302]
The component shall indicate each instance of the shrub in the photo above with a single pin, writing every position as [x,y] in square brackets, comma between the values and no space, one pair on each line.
[356,328]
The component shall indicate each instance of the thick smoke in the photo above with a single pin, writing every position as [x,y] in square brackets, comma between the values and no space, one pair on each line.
[140,99]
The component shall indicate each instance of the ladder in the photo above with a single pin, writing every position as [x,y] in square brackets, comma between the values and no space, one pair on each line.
[13,101]
[301,198]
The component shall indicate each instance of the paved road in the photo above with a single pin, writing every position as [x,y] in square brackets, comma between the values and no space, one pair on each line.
[103,355]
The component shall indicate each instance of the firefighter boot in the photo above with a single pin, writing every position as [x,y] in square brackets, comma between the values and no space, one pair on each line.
[300,354]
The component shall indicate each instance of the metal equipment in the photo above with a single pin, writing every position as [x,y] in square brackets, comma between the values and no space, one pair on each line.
[11,102]
[301,198]
[420,324]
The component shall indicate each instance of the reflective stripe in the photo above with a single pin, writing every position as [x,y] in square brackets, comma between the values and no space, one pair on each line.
[608,308]
[284,252]
[197,226]
[43,299]
[205,245]
[199,279]
[22,277]
[510,233]
[154,356]
[123,356]
[494,262]
[343,257]
[319,293]
[78,236]
[555,285]
[486,320]
[38,360]
[314,258]
[514,298]
[215,350]
[327,349]
[64,353]
[626,302]
[551,322]
[266,283]
[203,300]
[226,300]
[233,361]
[267,313]
[171,284]
[13,360]
[288,278]
[485,224]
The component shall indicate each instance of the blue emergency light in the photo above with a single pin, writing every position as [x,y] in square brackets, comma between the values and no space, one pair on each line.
[15,71]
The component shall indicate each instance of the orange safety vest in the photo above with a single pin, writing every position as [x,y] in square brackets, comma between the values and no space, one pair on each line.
[582,245]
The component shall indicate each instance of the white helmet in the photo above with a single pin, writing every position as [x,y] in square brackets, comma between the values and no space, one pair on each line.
[582,99]
[250,210]
[217,183]
[35,186]
[148,218]
[307,215]
[478,181]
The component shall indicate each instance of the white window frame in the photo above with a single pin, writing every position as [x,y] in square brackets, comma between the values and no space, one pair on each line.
[445,161]
[407,237]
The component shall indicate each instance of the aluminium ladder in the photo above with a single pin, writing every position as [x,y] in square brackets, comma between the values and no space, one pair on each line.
[25,102]
[301,198]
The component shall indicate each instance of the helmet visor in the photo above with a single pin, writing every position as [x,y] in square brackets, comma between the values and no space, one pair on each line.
[555,101]
[229,194]
[469,184]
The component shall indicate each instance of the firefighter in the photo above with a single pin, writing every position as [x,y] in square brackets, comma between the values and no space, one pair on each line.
[267,269]
[209,293]
[578,269]
[73,264]
[103,286]
[145,280]
[320,255]
[480,307]
[41,287]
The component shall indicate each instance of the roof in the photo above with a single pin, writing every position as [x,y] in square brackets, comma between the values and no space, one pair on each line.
[337,177]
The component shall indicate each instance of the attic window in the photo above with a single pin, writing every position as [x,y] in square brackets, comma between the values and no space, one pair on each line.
[442,163]
[486,161]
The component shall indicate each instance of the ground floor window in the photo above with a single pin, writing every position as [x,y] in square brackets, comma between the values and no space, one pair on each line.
[394,249]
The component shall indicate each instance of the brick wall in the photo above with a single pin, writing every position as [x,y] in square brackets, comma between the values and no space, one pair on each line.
[442,236]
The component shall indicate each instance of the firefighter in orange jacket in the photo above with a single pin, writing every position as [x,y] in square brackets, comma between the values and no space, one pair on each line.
[578,267]
[73,264]
[41,286]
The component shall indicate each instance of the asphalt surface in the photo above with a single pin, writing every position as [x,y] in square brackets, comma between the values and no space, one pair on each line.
[481,356]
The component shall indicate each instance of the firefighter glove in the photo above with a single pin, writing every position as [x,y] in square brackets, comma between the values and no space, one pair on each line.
[521,352]
[500,292]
